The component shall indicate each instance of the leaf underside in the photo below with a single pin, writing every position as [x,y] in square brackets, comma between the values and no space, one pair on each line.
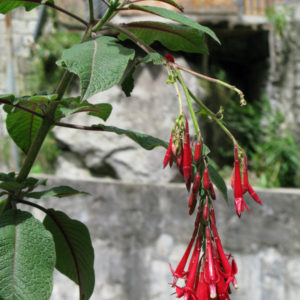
[74,250]
[70,106]
[58,191]
[27,257]
[100,63]
[22,127]
[217,180]
[173,36]
[8,5]
[148,142]
[175,16]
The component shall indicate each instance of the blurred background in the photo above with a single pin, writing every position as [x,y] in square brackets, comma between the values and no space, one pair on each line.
[134,241]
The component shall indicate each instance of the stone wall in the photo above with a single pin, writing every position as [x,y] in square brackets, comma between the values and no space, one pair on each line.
[137,229]
[21,32]
[284,83]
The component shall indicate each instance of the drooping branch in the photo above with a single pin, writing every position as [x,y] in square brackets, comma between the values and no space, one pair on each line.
[80,127]
[7,102]
[227,85]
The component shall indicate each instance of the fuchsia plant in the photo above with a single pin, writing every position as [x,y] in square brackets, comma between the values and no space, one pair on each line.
[30,249]
[207,276]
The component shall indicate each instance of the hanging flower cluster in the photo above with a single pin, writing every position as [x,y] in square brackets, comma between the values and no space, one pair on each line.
[210,271]
[179,150]
[206,270]
[240,185]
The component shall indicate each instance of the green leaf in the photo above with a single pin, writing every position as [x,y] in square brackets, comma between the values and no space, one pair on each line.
[2,203]
[7,176]
[42,98]
[8,5]
[27,257]
[217,180]
[23,126]
[73,105]
[205,150]
[11,186]
[155,58]
[58,191]
[175,16]
[74,250]
[9,97]
[128,82]
[148,142]
[100,63]
[173,36]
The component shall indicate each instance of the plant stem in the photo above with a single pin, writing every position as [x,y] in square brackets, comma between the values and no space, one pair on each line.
[37,143]
[137,40]
[91,9]
[176,88]
[187,96]
[109,14]
[214,117]
[227,85]
[47,122]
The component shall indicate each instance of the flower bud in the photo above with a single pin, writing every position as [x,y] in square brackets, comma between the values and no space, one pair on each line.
[197,152]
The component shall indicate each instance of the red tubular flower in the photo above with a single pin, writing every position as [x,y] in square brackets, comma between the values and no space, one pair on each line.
[168,156]
[246,185]
[179,272]
[212,192]
[197,152]
[254,195]
[193,266]
[228,270]
[210,267]
[222,289]
[192,208]
[206,179]
[196,183]
[180,159]
[187,157]
[202,289]
[232,179]
[245,174]
[212,215]
[192,203]
[238,190]
[189,291]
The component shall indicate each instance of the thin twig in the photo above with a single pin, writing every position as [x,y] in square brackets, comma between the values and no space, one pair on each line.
[80,127]
[106,3]
[138,41]
[59,9]
[214,117]
[227,85]
[22,108]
